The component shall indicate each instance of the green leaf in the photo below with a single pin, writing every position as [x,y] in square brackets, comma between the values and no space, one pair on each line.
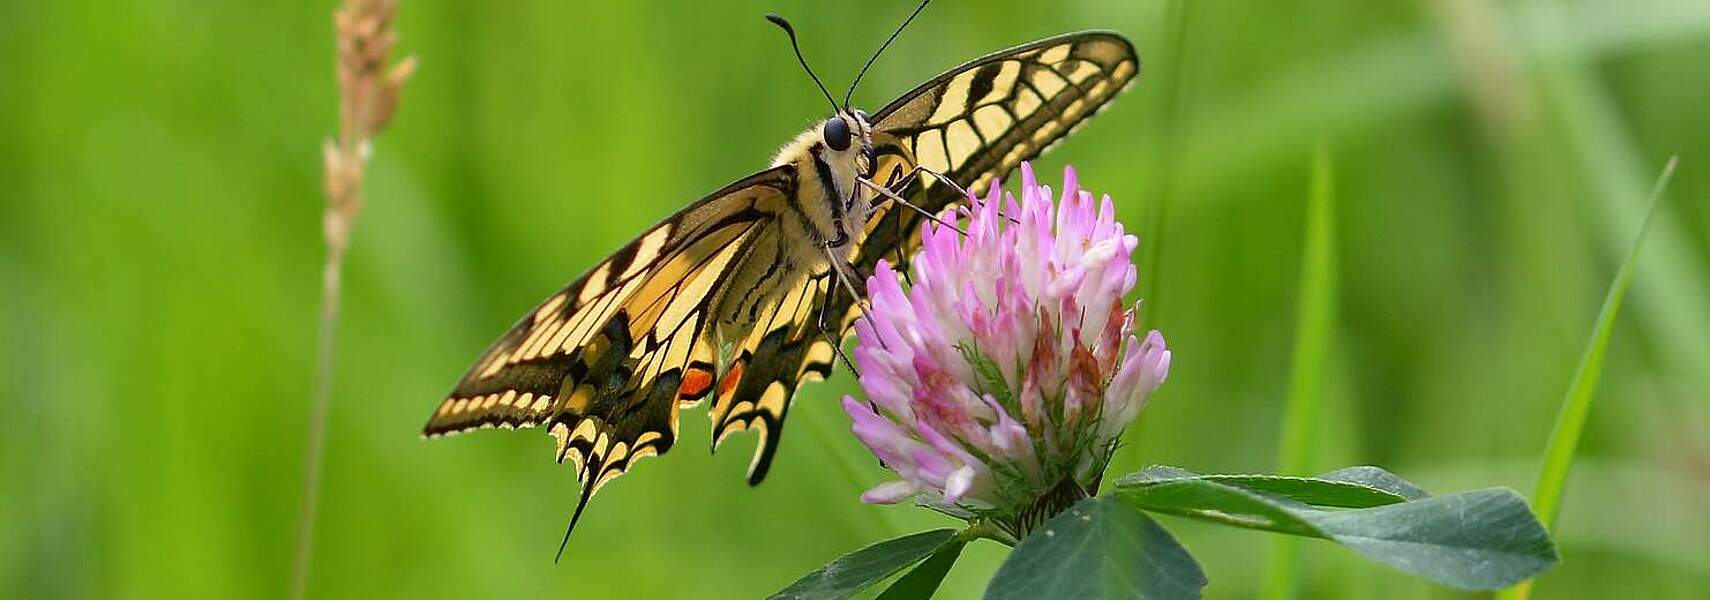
[858,570]
[1482,539]
[920,583]
[1200,498]
[1336,489]
[1317,492]
[1098,548]
[1374,477]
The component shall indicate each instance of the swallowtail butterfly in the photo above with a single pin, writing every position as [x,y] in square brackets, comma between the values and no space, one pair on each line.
[744,294]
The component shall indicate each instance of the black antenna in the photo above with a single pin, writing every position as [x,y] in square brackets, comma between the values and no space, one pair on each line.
[791,31]
[881,50]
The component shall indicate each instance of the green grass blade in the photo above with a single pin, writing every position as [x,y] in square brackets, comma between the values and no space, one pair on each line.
[1570,422]
[1172,110]
[1674,291]
[1314,325]
[1172,113]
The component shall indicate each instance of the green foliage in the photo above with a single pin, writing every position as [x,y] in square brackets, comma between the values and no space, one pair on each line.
[1482,539]
[1105,547]
[1315,314]
[1098,548]
[1576,406]
[1372,477]
[160,246]
[1314,328]
[1317,491]
[919,583]
[858,570]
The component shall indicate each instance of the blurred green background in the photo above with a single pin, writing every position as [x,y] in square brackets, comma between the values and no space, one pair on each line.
[160,246]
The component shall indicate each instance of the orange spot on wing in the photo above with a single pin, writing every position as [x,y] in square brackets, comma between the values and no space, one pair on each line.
[730,380]
[696,383]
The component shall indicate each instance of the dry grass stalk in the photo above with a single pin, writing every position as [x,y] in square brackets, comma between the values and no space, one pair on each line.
[368,96]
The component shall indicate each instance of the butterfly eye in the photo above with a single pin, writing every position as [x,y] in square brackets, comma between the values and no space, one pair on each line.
[837,134]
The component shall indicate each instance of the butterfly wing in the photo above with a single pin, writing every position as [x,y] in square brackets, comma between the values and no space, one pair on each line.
[784,349]
[605,363]
[979,121]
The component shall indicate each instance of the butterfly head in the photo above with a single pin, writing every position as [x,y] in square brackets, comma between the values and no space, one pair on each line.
[848,136]
[832,159]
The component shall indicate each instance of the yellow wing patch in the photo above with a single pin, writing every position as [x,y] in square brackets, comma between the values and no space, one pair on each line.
[979,121]
[982,119]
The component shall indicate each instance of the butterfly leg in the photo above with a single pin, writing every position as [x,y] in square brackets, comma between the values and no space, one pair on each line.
[893,197]
[917,170]
[842,236]
[963,192]
[836,340]
[902,261]
[846,277]
[897,183]
[840,270]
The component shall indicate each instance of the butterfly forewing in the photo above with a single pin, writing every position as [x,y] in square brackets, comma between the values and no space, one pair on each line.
[979,121]
[982,119]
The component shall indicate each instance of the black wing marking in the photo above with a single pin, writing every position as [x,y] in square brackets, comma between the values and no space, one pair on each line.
[977,122]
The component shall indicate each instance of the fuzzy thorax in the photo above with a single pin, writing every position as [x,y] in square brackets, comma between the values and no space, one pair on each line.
[831,206]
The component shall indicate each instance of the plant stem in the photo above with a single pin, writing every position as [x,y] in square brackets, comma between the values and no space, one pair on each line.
[368,96]
[316,442]
[982,528]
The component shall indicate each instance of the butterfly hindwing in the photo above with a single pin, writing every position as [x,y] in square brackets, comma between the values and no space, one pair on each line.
[784,349]
[606,362]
